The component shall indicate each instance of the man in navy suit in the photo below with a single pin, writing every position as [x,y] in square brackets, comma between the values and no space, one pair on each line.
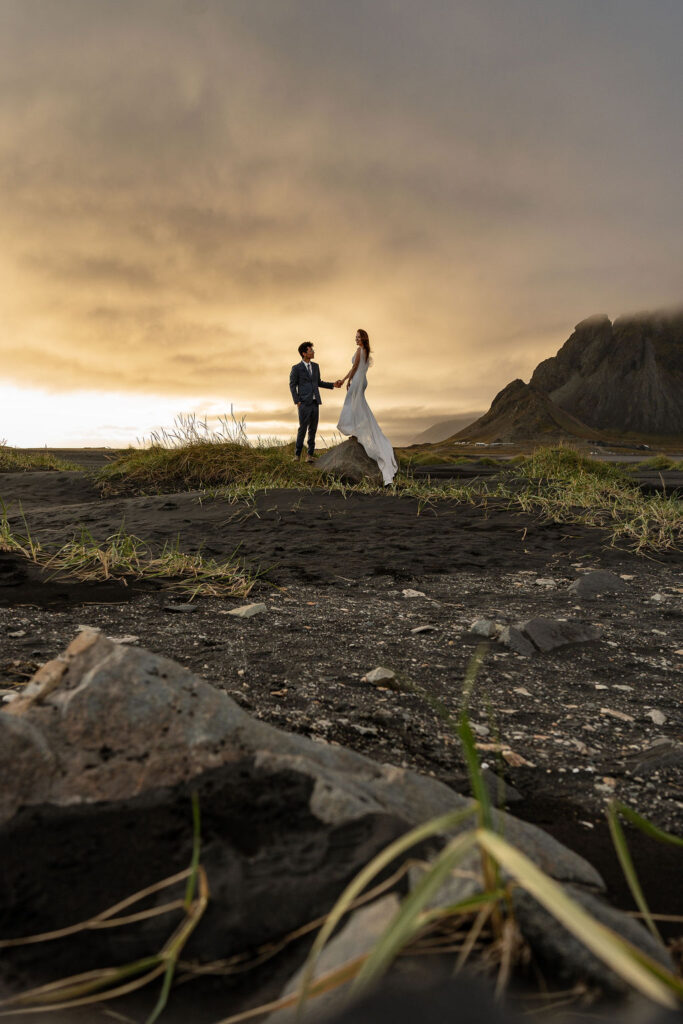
[304,383]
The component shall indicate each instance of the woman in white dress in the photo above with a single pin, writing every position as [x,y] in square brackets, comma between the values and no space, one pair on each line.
[356,418]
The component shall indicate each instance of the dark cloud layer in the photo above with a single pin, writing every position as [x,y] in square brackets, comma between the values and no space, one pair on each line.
[189,188]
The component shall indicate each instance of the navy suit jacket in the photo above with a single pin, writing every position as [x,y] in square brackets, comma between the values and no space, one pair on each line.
[304,385]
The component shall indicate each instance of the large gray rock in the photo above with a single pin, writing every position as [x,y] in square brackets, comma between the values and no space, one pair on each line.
[349,463]
[98,762]
[593,584]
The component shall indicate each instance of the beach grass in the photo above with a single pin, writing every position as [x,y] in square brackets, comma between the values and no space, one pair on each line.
[555,483]
[14,461]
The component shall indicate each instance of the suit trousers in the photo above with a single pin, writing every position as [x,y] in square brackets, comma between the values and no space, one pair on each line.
[308,421]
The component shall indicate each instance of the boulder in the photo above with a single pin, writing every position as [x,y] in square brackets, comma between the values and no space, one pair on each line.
[100,759]
[547,634]
[349,463]
[544,635]
[593,584]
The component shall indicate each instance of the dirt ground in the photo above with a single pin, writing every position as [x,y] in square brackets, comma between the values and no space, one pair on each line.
[566,730]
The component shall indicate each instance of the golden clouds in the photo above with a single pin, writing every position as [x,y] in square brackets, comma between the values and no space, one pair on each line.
[190,188]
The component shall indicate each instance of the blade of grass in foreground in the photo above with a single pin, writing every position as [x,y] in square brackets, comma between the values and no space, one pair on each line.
[624,855]
[408,919]
[631,964]
[436,826]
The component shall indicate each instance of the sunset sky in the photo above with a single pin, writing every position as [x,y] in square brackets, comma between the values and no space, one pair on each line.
[189,188]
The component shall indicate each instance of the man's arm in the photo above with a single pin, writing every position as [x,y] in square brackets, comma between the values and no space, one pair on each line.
[293,384]
[323,383]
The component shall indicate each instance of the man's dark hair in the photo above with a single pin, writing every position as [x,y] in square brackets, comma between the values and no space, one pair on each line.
[304,345]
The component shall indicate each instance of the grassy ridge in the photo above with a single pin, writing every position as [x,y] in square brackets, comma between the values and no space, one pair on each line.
[13,461]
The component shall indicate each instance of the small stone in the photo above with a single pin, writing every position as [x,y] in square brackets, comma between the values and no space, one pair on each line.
[180,607]
[247,611]
[424,629]
[546,581]
[513,637]
[17,633]
[379,675]
[593,584]
[616,714]
[547,634]
[658,717]
[480,730]
[412,593]
[484,627]
[521,690]
[658,598]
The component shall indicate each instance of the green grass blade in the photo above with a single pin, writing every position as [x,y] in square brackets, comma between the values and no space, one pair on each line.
[632,965]
[624,855]
[645,826]
[191,887]
[407,921]
[435,826]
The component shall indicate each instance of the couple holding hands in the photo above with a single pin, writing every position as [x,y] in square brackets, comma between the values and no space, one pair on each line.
[356,419]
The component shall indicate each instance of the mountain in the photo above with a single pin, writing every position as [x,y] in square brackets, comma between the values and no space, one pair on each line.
[445,428]
[522,412]
[625,376]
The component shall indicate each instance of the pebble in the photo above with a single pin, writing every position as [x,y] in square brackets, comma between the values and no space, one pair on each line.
[484,627]
[17,633]
[658,717]
[412,593]
[616,714]
[379,675]
[546,581]
[424,629]
[247,611]
[658,597]
[185,606]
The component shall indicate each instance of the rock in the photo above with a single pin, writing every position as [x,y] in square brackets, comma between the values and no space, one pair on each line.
[104,763]
[500,792]
[247,611]
[547,582]
[595,583]
[431,1000]
[658,717]
[412,593]
[621,715]
[379,676]
[484,627]
[548,634]
[567,956]
[663,753]
[513,638]
[358,936]
[349,463]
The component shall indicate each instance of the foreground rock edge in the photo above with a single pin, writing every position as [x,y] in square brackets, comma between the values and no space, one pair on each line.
[110,725]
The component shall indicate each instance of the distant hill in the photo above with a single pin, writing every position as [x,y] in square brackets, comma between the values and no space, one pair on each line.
[445,428]
[608,379]
[522,412]
[625,376]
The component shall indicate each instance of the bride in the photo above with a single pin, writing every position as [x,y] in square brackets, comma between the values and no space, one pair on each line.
[356,417]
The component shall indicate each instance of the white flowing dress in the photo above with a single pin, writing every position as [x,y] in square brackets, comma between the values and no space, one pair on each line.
[356,420]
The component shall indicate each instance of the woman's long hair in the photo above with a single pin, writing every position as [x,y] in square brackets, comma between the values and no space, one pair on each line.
[365,342]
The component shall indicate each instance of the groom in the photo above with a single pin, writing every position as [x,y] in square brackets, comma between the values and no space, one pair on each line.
[304,382]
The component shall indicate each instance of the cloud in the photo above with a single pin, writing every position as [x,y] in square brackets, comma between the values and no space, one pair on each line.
[189,189]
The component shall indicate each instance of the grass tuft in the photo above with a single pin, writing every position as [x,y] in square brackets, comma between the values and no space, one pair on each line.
[14,461]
